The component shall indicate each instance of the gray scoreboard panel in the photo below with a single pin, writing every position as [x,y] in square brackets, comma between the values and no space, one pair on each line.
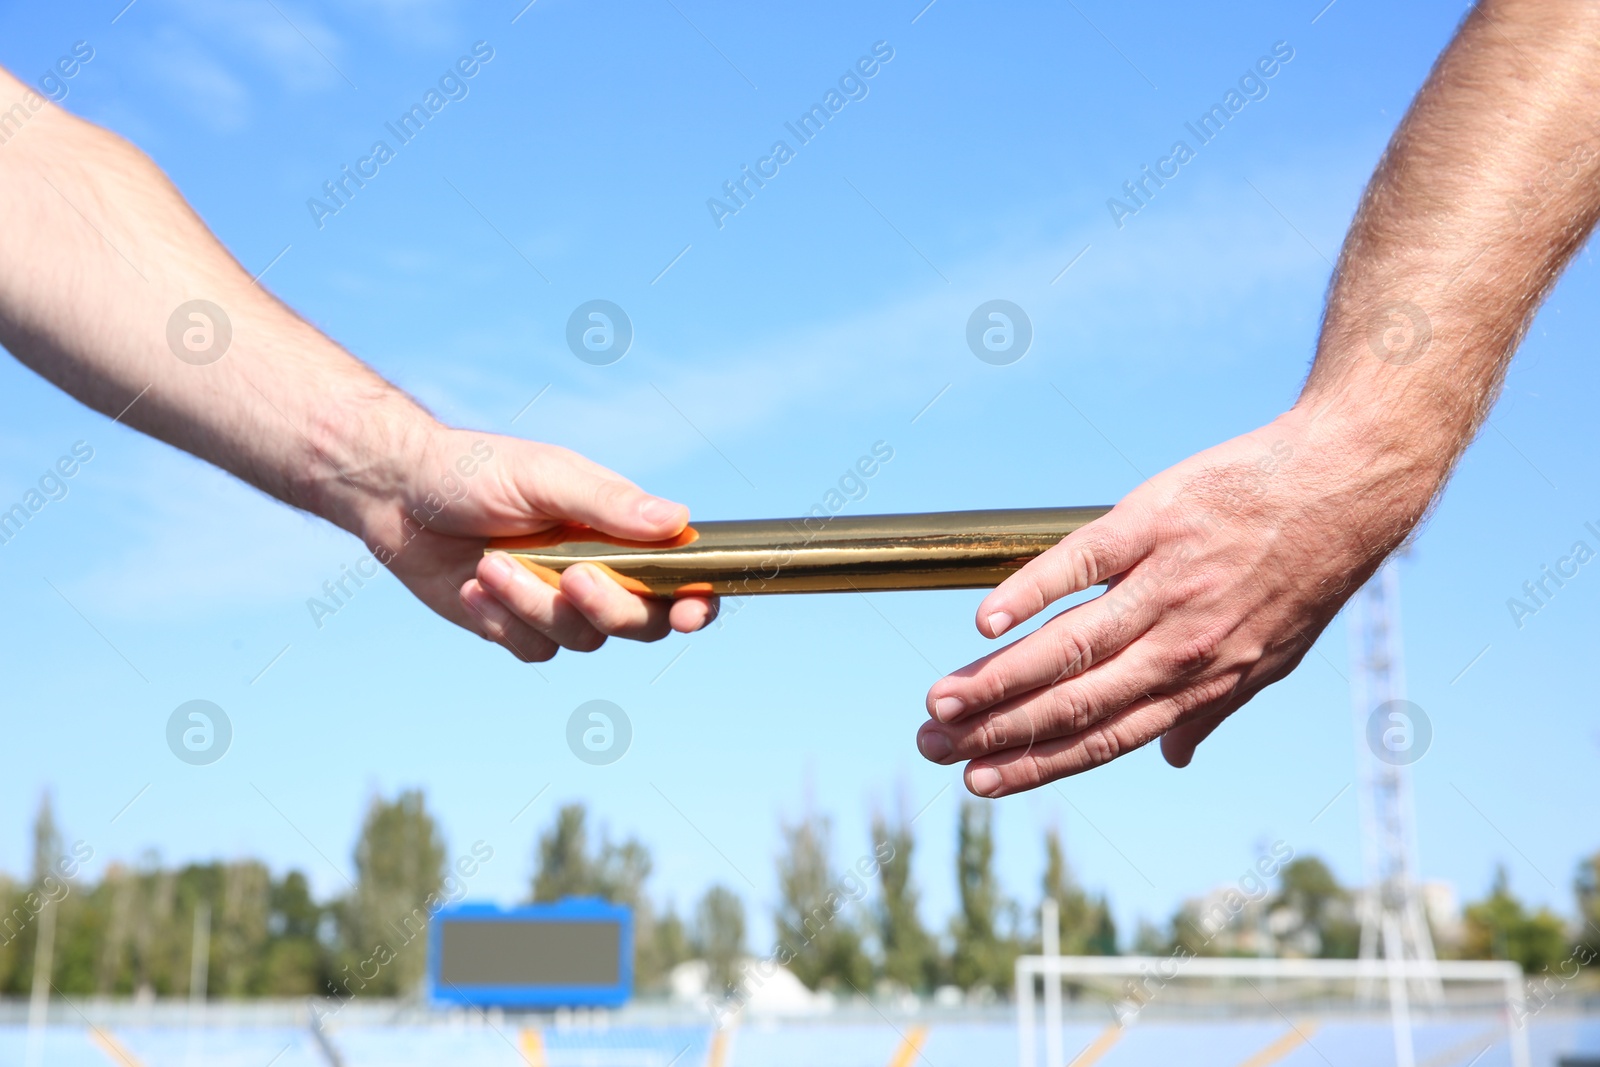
[573,953]
[538,953]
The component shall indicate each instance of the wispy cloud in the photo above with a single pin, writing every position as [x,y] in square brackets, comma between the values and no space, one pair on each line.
[1193,286]
[415,22]
[195,541]
[288,43]
[198,81]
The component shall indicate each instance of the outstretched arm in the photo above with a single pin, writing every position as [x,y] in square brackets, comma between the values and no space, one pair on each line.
[138,310]
[1224,569]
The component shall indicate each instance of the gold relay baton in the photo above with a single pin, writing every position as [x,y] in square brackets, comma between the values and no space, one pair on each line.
[819,554]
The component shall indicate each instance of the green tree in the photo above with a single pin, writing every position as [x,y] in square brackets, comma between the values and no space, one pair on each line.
[47,848]
[813,920]
[132,933]
[1185,932]
[158,952]
[1500,927]
[1086,925]
[566,866]
[1150,940]
[117,895]
[400,859]
[47,890]
[13,919]
[1587,885]
[239,931]
[659,948]
[910,956]
[1315,914]
[983,957]
[296,962]
[718,935]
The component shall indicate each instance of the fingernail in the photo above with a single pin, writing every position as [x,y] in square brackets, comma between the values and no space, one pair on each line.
[945,709]
[498,568]
[934,745]
[655,510]
[999,622]
[983,781]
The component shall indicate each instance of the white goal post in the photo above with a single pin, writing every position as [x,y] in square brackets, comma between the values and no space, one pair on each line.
[1054,969]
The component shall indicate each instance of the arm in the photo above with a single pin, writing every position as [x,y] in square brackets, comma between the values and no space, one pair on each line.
[1224,569]
[280,405]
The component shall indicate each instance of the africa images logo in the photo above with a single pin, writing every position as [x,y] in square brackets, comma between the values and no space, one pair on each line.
[599,332]
[999,332]
[599,732]
[199,732]
[1399,732]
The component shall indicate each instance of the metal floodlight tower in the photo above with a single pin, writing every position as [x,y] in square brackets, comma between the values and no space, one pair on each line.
[1392,913]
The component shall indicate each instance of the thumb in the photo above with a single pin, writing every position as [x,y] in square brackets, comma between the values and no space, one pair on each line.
[1178,744]
[567,486]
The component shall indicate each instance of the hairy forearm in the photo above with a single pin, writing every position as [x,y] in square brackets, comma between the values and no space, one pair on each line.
[1489,186]
[283,408]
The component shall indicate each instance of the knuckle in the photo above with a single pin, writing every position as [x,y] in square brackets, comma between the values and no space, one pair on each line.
[1134,593]
[1097,553]
[989,686]
[1030,595]
[1195,651]
[608,617]
[1205,694]
[494,628]
[1069,709]
[994,732]
[1025,773]
[610,496]
[1074,653]
[1101,746]
[585,642]
[1086,565]
[1194,699]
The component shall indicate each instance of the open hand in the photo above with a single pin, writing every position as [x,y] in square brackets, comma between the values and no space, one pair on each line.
[1221,572]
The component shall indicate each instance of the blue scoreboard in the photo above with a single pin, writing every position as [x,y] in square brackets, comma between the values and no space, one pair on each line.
[574,953]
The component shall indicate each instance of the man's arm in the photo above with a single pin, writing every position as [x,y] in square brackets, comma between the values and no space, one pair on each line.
[97,258]
[1223,569]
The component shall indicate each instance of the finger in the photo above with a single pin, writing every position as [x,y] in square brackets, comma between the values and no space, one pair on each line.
[693,613]
[569,486]
[611,609]
[495,622]
[1178,744]
[1086,557]
[1067,645]
[1049,713]
[537,604]
[1017,769]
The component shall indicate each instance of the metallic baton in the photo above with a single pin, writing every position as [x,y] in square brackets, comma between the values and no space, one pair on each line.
[819,554]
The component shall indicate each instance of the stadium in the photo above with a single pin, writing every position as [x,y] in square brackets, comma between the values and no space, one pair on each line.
[578,601]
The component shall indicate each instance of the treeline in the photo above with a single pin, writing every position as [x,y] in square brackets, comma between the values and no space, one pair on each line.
[855,929]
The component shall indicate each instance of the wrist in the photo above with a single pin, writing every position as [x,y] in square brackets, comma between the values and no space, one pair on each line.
[1388,428]
[1376,470]
[365,443]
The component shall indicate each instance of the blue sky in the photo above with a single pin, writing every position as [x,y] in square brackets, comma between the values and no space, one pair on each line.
[818,320]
